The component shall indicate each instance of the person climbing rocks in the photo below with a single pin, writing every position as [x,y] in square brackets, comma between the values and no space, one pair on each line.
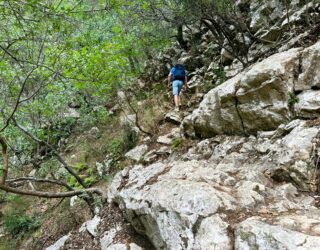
[179,79]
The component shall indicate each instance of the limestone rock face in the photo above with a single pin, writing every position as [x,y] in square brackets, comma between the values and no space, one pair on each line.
[308,105]
[213,234]
[192,201]
[173,117]
[295,157]
[137,153]
[260,98]
[310,64]
[283,232]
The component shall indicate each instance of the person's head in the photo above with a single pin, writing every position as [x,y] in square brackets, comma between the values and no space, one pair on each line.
[169,65]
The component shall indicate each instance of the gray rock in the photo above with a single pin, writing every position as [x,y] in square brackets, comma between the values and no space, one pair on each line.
[226,56]
[310,63]
[232,70]
[130,121]
[173,117]
[252,101]
[308,105]
[102,168]
[150,156]
[264,13]
[271,34]
[33,173]
[195,82]
[59,243]
[191,62]
[250,194]
[297,15]
[225,174]
[295,157]
[137,153]
[285,233]
[73,201]
[212,234]
[169,138]
[171,214]
[91,226]
[119,246]
[107,241]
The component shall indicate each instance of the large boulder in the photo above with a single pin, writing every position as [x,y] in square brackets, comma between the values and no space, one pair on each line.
[260,98]
[295,157]
[251,101]
[310,64]
[308,104]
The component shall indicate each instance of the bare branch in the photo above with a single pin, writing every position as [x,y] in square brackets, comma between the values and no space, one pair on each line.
[136,117]
[52,194]
[55,182]
[6,124]
[5,160]
[60,159]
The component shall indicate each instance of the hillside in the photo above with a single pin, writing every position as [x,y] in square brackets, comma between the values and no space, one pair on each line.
[236,168]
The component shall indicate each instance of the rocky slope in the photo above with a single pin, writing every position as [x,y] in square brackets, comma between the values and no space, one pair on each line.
[250,176]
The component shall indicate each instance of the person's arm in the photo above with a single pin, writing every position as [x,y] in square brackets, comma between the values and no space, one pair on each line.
[169,79]
[186,86]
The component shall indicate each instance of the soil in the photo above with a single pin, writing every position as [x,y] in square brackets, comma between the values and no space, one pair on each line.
[112,217]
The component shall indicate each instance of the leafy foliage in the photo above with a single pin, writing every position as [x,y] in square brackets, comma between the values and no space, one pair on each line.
[20,224]
[293,99]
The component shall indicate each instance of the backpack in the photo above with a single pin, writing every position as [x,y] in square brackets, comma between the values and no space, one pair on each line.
[178,73]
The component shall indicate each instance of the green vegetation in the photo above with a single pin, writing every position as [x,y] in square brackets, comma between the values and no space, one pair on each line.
[293,99]
[176,143]
[220,74]
[63,62]
[20,224]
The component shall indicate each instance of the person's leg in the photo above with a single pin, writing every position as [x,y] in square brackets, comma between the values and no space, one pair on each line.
[176,100]
[180,84]
[175,91]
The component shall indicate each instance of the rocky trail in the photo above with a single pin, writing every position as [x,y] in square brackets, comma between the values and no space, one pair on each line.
[237,169]
[254,190]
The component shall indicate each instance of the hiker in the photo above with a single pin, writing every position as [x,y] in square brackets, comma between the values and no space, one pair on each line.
[178,78]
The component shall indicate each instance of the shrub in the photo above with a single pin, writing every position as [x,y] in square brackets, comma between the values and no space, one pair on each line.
[220,74]
[176,143]
[292,98]
[123,143]
[20,224]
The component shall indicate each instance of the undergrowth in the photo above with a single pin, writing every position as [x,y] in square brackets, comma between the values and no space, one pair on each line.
[19,225]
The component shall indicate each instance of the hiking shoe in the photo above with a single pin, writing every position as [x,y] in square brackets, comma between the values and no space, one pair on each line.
[176,109]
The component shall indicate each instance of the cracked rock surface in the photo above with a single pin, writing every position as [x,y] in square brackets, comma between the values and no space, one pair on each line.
[260,98]
[189,202]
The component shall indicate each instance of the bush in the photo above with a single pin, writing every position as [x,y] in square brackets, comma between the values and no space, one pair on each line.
[220,74]
[293,99]
[176,143]
[123,143]
[20,224]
